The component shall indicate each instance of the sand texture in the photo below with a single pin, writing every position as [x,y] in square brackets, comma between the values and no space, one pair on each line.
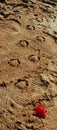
[28,63]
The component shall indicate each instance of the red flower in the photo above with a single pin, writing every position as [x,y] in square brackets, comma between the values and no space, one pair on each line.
[40,110]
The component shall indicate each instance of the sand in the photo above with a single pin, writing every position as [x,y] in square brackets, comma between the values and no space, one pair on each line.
[28,64]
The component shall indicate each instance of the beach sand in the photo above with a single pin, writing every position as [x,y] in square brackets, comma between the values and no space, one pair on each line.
[28,64]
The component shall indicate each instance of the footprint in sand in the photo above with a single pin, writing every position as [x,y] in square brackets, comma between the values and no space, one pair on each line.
[23,43]
[14,62]
[30,27]
[40,39]
[21,84]
[34,58]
